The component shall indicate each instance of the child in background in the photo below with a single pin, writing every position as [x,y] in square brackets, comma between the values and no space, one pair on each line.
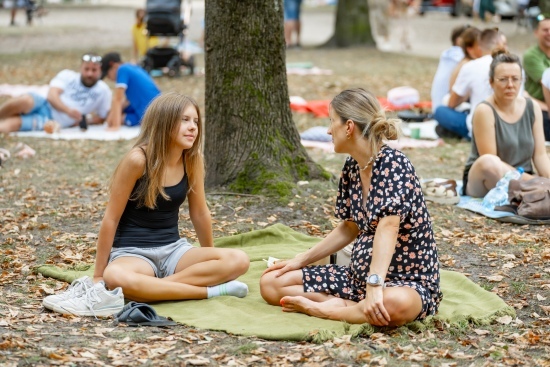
[141,41]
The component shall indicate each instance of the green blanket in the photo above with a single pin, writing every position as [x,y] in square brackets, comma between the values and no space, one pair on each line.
[249,316]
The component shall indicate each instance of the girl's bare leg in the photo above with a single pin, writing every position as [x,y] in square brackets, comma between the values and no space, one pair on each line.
[207,266]
[196,270]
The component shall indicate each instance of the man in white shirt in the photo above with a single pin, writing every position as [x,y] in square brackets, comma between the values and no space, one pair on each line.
[472,83]
[71,96]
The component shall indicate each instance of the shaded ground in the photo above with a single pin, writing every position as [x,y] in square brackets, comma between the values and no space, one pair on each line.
[50,214]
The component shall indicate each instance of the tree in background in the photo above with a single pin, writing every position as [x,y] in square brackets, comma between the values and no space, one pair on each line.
[352,26]
[251,143]
[544,6]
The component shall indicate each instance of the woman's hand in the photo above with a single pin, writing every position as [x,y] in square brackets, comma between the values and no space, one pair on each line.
[373,307]
[286,265]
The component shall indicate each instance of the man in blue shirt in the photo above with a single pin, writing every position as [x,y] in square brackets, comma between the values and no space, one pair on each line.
[134,90]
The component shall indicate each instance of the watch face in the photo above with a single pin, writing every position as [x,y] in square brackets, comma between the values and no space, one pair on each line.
[374,279]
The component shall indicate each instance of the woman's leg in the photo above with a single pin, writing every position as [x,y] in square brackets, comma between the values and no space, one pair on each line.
[403,304]
[485,173]
[196,269]
[288,284]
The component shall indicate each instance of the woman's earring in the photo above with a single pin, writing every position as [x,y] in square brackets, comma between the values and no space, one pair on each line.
[347,136]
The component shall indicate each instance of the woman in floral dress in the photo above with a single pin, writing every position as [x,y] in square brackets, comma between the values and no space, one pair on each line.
[393,277]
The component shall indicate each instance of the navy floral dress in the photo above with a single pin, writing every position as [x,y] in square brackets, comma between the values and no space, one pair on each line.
[394,190]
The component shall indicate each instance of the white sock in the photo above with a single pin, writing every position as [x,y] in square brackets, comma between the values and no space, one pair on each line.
[232,288]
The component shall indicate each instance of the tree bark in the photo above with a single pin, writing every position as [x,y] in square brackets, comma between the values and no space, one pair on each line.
[544,6]
[251,143]
[352,27]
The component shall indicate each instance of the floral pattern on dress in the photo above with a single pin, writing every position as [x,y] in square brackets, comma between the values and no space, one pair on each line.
[394,190]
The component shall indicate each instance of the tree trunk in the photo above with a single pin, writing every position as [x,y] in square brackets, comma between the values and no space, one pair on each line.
[251,142]
[352,26]
[544,6]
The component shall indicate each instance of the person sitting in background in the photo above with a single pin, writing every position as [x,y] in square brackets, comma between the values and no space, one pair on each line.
[545,82]
[394,275]
[141,42]
[507,131]
[471,50]
[472,83]
[536,61]
[447,63]
[71,96]
[134,90]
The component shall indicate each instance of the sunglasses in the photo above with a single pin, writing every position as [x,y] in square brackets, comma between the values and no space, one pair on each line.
[91,58]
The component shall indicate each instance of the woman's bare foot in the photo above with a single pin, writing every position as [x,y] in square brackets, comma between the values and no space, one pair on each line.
[309,307]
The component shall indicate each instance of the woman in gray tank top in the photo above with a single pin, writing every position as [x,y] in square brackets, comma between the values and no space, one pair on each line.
[507,131]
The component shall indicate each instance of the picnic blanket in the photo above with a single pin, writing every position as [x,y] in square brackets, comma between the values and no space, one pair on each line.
[474,205]
[252,316]
[94,132]
[319,108]
[305,68]
[15,90]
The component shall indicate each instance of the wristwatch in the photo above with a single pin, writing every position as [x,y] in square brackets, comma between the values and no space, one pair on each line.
[375,280]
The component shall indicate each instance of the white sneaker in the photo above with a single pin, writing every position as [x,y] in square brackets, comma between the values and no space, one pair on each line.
[77,288]
[97,301]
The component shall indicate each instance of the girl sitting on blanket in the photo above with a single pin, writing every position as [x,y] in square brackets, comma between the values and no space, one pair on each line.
[139,248]
[393,277]
[507,131]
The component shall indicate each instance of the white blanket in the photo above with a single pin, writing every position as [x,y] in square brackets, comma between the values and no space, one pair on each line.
[94,132]
[15,90]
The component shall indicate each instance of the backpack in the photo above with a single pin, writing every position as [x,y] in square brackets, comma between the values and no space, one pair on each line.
[531,198]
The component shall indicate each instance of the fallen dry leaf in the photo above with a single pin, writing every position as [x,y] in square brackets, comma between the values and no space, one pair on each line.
[505,320]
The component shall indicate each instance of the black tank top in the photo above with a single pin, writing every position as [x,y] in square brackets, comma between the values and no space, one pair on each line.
[141,226]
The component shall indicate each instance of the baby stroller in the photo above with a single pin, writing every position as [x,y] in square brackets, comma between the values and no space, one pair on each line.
[163,18]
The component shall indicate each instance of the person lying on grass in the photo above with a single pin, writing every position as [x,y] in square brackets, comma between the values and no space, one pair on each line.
[393,277]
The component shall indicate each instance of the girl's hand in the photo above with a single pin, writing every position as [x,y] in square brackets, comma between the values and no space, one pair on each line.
[373,307]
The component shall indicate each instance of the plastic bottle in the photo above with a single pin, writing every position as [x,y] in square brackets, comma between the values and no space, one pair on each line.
[498,195]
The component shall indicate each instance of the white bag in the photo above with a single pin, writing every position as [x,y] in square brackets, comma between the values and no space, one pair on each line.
[403,96]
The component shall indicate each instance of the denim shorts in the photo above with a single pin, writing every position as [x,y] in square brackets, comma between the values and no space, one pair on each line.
[292,9]
[132,117]
[38,116]
[163,259]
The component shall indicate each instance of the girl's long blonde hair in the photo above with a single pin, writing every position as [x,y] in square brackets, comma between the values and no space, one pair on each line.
[159,126]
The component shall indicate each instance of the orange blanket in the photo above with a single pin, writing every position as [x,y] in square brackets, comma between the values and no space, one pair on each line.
[320,108]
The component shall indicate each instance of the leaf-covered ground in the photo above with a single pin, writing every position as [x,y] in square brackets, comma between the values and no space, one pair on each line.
[51,206]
